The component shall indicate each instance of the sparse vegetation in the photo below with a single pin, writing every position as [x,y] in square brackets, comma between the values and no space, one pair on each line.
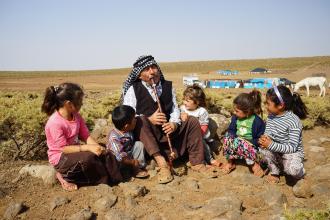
[22,123]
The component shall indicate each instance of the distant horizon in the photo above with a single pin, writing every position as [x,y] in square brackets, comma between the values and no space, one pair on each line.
[161,62]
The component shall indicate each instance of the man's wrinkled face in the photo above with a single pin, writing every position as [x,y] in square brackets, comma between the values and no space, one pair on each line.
[150,72]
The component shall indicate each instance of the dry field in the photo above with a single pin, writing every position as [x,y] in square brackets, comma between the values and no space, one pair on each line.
[294,69]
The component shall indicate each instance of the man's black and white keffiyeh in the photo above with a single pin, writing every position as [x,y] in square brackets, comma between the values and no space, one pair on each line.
[140,64]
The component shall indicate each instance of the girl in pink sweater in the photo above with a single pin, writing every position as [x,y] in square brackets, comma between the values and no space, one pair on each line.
[76,164]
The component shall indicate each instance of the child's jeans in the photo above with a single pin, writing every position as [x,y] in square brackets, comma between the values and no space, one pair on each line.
[138,153]
[291,164]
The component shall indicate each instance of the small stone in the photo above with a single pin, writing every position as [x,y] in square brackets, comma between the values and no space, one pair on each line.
[313,142]
[155,217]
[105,203]
[2,193]
[324,139]
[13,210]
[130,202]
[133,190]
[302,189]
[164,197]
[191,184]
[180,171]
[58,201]
[316,149]
[320,173]
[118,215]
[321,189]
[100,190]
[84,214]
[191,207]
[221,207]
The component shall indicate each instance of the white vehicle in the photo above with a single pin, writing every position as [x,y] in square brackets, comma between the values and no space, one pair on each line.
[191,80]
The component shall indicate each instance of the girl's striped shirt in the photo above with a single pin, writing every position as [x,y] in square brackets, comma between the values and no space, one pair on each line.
[286,132]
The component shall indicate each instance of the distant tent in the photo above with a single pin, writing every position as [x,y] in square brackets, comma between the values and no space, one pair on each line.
[227,72]
[259,70]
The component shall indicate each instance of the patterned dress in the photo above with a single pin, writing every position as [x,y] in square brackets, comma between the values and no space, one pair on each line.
[241,142]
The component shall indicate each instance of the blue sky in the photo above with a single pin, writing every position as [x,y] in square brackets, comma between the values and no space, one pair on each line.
[95,34]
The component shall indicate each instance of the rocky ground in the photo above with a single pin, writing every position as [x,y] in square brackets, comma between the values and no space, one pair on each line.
[28,193]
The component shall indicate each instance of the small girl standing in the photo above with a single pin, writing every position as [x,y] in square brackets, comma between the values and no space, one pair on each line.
[194,105]
[241,140]
[282,141]
[75,164]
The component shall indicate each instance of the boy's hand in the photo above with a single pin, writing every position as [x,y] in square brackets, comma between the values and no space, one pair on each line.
[157,118]
[169,127]
[184,116]
[96,149]
[264,141]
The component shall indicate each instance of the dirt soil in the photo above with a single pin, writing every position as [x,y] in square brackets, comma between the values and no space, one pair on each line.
[167,201]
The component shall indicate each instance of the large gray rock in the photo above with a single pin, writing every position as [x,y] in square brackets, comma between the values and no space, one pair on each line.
[133,190]
[13,210]
[44,172]
[105,203]
[101,190]
[273,197]
[101,130]
[218,124]
[226,207]
[302,189]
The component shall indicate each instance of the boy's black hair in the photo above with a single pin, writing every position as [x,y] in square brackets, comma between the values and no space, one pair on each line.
[122,115]
[292,102]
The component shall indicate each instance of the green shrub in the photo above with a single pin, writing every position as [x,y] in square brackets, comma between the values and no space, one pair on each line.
[308,215]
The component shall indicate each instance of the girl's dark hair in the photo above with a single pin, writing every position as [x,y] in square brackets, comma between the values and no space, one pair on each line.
[249,103]
[292,102]
[196,94]
[122,115]
[55,96]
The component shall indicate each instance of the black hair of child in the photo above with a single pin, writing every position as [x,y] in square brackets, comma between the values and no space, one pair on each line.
[292,102]
[122,115]
[56,96]
[195,93]
[249,103]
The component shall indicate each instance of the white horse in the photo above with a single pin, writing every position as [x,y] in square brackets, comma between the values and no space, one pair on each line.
[312,81]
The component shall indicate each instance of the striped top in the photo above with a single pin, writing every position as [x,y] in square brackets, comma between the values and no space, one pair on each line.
[286,132]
